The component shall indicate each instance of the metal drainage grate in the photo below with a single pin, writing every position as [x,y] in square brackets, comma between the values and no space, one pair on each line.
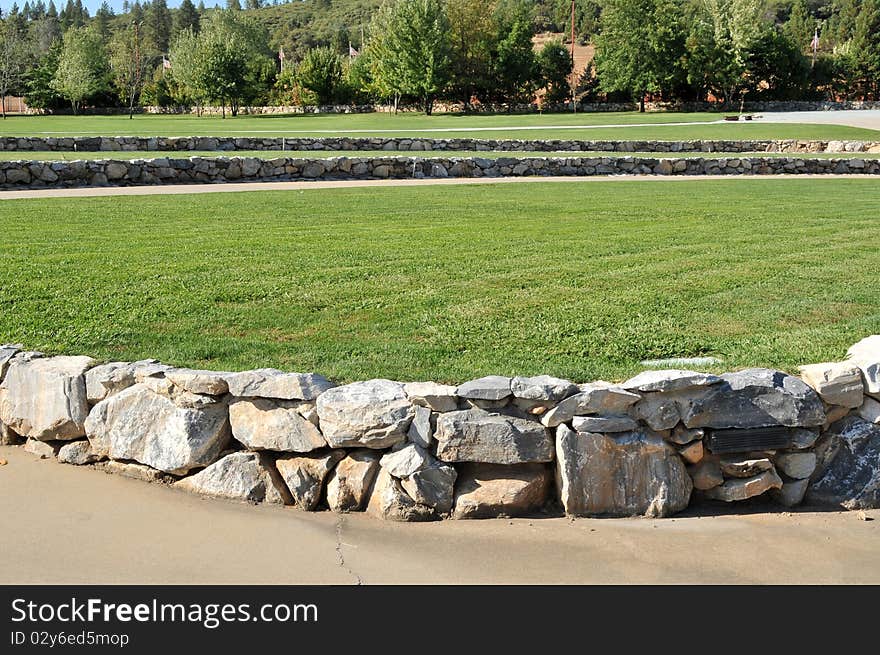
[744,440]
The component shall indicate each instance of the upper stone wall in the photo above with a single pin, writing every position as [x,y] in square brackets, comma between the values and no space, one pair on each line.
[416,144]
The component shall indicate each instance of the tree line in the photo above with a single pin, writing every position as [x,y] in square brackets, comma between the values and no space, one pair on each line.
[422,51]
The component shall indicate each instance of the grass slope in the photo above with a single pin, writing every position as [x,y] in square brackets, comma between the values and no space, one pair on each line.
[383,124]
[448,283]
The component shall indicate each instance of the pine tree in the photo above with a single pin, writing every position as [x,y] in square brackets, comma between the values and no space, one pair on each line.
[187,17]
[158,24]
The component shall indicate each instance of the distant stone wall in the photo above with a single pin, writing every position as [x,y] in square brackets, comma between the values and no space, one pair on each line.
[491,447]
[415,144]
[196,170]
[492,108]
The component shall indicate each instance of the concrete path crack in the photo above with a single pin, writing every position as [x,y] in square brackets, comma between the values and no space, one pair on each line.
[340,556]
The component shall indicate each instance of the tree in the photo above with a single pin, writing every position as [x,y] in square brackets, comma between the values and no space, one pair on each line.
[640,47]
[227,62]
[13,54]
[412,49]
[222,67]
[233,5]
[102,20]
[128,63]
[776,67]
[554,61]
[158,24]
[800,26]
[515,71]
[320,72]
[82,71]
[187,17]
[472,41]
[185,69]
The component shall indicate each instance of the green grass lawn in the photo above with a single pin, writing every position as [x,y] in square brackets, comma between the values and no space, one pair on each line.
[384,124]
[324,154]
[581,280]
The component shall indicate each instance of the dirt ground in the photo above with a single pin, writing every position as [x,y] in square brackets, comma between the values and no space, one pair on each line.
[66,524]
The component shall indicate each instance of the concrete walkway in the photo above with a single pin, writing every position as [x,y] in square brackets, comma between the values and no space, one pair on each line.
[867,118]
[238,187]
[66,524]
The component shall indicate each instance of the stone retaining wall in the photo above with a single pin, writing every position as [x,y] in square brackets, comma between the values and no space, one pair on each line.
[489,108]
[206,170]
[211,143]
[490,447]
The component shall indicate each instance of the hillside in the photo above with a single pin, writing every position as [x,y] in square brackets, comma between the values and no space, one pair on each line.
[303,24]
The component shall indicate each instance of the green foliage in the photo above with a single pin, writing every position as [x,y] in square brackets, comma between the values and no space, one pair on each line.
[555,63]
[515,69]
[227,62]
[320,72]
[472,39]
[776,68]
[82,67]
[13,52]
[129,64]
[187,17]
[640,47]
[158,25]
[39,91]
[412,49]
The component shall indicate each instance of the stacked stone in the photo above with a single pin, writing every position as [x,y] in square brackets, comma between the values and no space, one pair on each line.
[494,446]
[213,143]
[202,170]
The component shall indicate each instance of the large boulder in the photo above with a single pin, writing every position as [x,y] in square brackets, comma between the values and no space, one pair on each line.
[105,380]
[754,398]
[659,410]
[491,387]
[737,489]
[475,435]
[350,482]
[542,388]
[171,434]
[593,398]
[848,471]
[390,501]
[432,486]
[669,380]
[493,490]
[212,383]
[426,480]
[374,414]
[264,424]
[438,397]
[404,460]
[623,475]
[272,383]
[796,465]
[78,452]
[837,383]
[238,476]
[305,475]
[45,398]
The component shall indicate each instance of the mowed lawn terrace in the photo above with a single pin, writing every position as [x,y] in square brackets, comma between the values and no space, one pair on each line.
[580,279]
[667,126]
